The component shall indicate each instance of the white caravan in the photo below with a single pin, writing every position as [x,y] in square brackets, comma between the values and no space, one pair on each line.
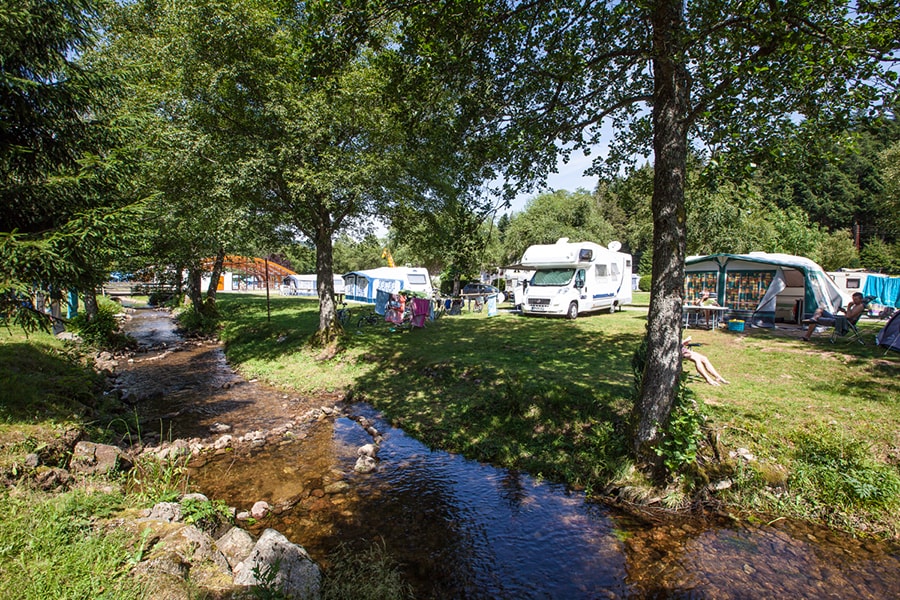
[574,278]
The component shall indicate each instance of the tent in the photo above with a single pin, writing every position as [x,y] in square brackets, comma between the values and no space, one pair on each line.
[889,336]
[763,288]
[363,286]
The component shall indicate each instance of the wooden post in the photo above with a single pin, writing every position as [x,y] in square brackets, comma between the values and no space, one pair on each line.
[268,305]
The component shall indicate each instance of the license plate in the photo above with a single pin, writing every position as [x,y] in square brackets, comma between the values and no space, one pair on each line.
[538,308]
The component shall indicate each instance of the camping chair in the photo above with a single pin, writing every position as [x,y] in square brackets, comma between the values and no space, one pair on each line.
[421,308]
[844,327]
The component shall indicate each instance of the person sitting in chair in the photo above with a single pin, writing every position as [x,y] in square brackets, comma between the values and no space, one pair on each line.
[704,367]
[705,300]
[824,318]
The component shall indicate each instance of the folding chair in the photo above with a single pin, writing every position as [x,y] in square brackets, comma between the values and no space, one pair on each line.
[420,310]
[845,328]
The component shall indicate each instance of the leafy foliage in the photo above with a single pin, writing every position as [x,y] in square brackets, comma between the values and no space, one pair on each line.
[100,330]
[205,514]
[842,473]
[61,165]
[551,216]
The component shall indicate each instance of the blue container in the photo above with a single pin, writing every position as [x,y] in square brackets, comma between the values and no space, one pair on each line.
[735,325]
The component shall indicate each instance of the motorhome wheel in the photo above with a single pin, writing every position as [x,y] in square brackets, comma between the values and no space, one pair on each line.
[573,311]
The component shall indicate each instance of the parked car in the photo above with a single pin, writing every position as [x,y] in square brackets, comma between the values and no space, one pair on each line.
[483,289]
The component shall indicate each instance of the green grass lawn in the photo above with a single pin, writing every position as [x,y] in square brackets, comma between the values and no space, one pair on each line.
[551,397]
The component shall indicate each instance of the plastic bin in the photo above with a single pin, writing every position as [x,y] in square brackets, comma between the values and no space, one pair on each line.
[735,325]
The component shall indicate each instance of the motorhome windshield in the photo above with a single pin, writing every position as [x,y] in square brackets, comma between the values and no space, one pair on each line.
[552,277]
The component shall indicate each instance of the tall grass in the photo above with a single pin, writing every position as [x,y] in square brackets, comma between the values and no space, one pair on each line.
[50,549]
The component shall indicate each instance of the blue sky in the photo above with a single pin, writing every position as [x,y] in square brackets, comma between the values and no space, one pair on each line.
[570,177]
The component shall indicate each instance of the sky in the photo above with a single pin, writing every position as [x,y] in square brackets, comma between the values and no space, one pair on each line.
[570,177]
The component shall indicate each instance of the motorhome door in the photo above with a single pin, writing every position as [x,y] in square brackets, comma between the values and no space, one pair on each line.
[581,284]
[603,292]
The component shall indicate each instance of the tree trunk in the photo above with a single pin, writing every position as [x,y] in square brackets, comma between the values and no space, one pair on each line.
[670,106]
[328,328]
[179,283]
[216,274]
[195,287]
[90,304]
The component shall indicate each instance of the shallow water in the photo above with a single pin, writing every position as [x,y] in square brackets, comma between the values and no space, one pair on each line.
[461,529]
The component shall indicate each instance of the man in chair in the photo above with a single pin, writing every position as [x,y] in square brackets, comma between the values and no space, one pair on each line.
[823,317]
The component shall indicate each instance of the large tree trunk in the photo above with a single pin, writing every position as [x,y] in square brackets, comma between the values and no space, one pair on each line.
[216,273]
[179,282]
[195,287]
[670,107]
[328,328]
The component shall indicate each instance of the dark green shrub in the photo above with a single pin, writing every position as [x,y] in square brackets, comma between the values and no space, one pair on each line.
[645,282]
[199,322]
[102,330]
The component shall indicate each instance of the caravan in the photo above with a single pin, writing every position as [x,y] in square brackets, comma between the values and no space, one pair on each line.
[574,278]
[305,285]
[363,286]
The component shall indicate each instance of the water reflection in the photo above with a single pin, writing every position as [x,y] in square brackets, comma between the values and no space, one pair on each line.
[467,530]
[462,529]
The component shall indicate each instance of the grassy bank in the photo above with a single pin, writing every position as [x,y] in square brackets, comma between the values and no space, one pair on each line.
[48,545]
[53,544]
[819,422]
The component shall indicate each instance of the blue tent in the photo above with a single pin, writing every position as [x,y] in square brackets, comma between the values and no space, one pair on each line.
[889,336]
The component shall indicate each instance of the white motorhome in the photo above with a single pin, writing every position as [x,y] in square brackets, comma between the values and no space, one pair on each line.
[574,278]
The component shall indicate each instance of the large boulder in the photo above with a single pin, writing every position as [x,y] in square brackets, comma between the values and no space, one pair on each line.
[297,576]
[184,552]
[90,458]
[236,545]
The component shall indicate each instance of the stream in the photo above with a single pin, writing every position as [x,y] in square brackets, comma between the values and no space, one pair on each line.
[459,528]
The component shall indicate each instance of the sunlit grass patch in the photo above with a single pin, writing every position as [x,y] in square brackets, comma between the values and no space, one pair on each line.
[50,549]
[841,472]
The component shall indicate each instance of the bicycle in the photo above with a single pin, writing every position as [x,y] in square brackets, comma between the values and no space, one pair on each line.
[343,314]
[371,318]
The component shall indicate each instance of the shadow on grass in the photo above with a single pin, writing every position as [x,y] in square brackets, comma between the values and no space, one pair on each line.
[548,396]
[542,395]
[40,382]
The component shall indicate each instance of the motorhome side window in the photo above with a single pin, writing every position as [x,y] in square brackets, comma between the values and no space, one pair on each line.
[615,270]
[600,271]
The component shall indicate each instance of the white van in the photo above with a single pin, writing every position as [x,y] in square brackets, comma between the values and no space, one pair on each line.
[574,278]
